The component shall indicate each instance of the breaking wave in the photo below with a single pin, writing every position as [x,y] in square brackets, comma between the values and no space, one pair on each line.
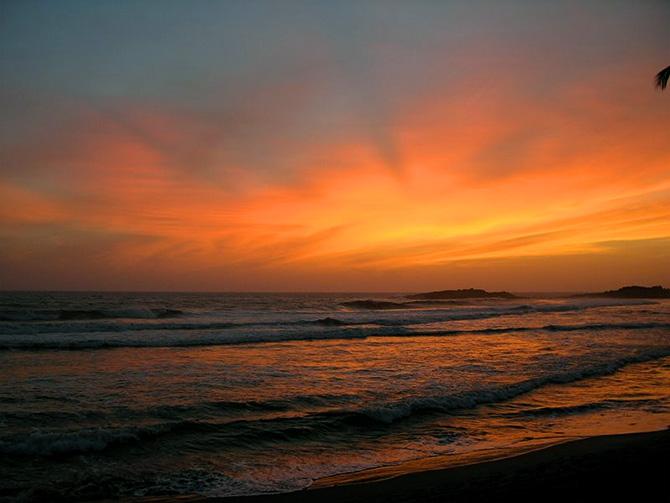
[40,443]
[333,421]
[144,319]
[215,335]
[18,315]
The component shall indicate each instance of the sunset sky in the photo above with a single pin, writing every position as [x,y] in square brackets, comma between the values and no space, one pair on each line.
[333,145]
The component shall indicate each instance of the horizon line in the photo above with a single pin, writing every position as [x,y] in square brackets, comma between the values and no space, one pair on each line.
[298,291]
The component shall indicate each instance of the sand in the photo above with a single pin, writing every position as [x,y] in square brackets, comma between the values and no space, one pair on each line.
[631,467]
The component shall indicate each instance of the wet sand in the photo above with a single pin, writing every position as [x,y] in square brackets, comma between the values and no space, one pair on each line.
[630,467]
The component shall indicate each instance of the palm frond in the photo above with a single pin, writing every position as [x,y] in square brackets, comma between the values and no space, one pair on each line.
[662,78]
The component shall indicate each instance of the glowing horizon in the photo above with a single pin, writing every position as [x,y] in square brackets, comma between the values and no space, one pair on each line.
[358,147]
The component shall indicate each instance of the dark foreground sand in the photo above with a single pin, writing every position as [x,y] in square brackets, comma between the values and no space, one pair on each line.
[631,467]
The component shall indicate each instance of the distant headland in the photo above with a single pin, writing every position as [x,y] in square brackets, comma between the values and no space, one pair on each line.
[469,293]
[429,299]
[633,292]
[445,297]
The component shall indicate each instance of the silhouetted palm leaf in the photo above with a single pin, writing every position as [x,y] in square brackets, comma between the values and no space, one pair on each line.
[662,78]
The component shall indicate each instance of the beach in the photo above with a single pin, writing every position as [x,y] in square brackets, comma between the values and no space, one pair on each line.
[630,467]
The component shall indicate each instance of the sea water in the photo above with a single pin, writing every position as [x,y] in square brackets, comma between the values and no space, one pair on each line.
[106,395]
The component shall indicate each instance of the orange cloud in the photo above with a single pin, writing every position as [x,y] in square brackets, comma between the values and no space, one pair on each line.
[487,175]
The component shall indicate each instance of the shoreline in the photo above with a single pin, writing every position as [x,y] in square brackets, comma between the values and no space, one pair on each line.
[436,463]
[630,465]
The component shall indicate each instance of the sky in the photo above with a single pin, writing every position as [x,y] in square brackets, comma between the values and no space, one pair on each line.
[333,146]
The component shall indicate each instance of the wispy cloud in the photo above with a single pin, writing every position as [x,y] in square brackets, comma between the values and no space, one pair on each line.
[373,151]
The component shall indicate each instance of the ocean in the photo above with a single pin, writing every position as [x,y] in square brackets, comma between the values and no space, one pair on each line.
[118,395]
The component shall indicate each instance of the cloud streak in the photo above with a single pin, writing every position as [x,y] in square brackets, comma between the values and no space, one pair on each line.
[393,151]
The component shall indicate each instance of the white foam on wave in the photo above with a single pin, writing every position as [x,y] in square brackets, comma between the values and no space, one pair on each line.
[129,312]
[297,323]
[49,443]
[86,440]
[391,412]
[243,335]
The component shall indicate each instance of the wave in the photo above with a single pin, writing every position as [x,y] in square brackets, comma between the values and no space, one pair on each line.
[220,408]
[580,408]
[556,328]
[51,326]
[39,443]
[86,440]
[607,326]
[175,338]
[24,315]
[337,422]
[64,443]
[389,413]
[148,319]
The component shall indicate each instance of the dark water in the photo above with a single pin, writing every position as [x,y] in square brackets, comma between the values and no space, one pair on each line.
[117,395]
